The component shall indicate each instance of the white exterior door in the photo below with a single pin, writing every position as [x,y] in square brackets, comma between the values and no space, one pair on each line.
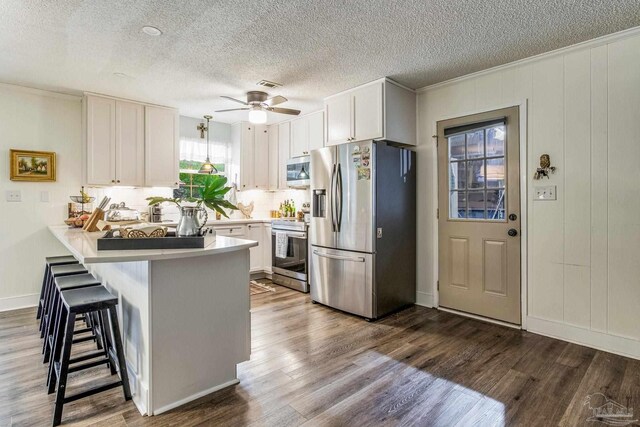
[479,214]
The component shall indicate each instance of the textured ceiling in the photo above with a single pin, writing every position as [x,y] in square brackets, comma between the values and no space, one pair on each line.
[315,48]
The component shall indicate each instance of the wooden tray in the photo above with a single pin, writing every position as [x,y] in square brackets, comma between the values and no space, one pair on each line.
[115,243]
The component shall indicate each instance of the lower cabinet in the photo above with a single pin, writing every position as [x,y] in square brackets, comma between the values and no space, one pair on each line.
[260,256]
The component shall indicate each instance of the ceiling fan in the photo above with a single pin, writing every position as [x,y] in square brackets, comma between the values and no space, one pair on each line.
[258,104]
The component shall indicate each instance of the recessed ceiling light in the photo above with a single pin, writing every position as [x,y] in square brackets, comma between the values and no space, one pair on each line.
[151,31]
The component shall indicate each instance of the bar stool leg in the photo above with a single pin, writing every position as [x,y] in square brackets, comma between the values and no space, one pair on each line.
[45,279]
[50,328]
[60,321]
[61,383]
[115,330]
[104,340]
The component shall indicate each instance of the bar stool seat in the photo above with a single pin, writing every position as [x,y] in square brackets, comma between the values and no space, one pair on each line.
[67,283]
[56,271]
[85,301]
[49,262]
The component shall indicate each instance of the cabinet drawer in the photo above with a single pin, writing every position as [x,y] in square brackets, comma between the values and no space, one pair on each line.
[231,231]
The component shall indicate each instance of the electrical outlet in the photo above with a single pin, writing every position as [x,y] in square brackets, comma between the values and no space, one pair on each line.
[13,196]
[548,192]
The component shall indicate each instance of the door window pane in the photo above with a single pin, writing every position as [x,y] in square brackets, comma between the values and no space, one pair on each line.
[476,173]
[457,204]
[457,175]
[495,204]
[495,141]
[495,173]
[456,147]
[475,204]
[475,144]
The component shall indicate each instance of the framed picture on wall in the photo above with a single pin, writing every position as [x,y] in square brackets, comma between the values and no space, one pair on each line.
[32,165]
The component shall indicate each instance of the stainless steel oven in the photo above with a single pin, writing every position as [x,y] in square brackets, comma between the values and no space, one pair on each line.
[298,173]
[292,267]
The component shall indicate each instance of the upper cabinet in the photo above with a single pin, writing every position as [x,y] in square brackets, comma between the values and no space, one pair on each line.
[129,143]
[162,156]
[274,133]
[284,141]
[250,156]
[307,133]
[378,110]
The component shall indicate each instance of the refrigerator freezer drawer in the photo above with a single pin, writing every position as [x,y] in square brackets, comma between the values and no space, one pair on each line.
[343,280]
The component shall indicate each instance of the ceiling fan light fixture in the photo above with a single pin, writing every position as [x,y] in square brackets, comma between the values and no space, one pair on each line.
[257,116]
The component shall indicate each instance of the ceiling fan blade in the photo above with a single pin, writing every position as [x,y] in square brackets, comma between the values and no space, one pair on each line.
[232,109]
[284,110]
[278,99]
[233,99]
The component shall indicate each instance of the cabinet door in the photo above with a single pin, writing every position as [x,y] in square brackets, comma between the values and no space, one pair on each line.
[284,139]
[316,130]
[255,253]
[338,115]
[247,156]
[101,140]
[261,158]
[266,247]
[129,143]
[367,112]
[299,137]
[161,147]
[272,131]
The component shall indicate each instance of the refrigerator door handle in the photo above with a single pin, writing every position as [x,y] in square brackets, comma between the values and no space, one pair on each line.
[339,196]
[332,193]
[342,258]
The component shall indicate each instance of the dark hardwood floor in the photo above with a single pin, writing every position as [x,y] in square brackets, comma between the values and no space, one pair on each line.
[311,366]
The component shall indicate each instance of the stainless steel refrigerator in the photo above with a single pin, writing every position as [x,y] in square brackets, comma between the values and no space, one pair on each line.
[363,228]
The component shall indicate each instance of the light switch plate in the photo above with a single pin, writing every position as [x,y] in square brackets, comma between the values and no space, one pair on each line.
[13,195]
[44,196]
[547,192]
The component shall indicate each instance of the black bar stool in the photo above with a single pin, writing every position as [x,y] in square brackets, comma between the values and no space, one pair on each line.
[94,299]
[66,283]
[49,262]
[56,271]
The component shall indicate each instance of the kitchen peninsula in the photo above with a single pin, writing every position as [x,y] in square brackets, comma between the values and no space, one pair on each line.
[184,314]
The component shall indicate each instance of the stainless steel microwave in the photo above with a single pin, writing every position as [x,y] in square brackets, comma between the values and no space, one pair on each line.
[298,173]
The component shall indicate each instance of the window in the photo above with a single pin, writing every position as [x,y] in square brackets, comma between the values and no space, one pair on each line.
[477,180]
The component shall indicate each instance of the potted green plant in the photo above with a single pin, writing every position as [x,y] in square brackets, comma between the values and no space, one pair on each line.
[194,217]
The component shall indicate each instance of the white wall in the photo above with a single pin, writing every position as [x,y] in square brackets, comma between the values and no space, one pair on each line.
[34,120]
[583,110]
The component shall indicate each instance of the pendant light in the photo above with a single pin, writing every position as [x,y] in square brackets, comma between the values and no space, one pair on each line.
[207,167]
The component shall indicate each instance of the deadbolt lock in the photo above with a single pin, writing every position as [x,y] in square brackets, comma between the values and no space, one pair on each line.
[513,217]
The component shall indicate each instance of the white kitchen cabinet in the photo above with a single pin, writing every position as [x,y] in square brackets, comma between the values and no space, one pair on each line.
[378,110]
[284,139]
[250,155]
[307,133]
[162,156]
[100,134]
[129,143]
[274,168]
[266,248]
[256,259]
[236,230]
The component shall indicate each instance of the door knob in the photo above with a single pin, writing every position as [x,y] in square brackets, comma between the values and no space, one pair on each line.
[512,232]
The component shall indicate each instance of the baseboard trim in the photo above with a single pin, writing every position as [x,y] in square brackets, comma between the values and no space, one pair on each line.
[22,301]
[194,397]
[481,318]
[424,299]
[598,340]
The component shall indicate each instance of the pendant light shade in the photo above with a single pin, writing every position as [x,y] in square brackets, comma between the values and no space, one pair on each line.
[207,167]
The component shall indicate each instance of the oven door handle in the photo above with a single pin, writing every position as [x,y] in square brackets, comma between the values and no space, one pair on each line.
[290,234]
[339,257]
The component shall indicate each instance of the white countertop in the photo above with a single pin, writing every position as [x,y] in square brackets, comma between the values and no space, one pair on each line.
[83,245]
[220,222]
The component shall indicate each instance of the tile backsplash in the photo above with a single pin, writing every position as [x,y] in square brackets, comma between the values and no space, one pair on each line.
[263,201]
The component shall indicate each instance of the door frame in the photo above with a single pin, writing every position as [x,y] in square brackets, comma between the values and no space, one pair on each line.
[524,222]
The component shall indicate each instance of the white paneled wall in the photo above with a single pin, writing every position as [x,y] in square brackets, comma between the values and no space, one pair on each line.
[583,109]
